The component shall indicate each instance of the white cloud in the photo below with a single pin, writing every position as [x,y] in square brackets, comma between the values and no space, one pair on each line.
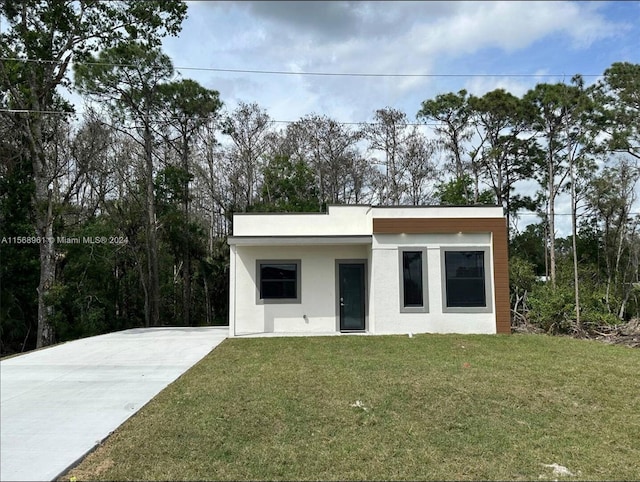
[511,26]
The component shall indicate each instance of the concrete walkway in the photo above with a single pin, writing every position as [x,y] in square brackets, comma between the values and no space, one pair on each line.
[58,403]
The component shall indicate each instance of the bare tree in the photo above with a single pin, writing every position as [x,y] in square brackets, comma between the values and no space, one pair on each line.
[388,134]
[247,126]
[330,149]
[417,159]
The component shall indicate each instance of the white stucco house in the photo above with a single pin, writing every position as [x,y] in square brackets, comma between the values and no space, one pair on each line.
[370,269]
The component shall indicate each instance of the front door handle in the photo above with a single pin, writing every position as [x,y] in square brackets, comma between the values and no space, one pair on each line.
[341,301]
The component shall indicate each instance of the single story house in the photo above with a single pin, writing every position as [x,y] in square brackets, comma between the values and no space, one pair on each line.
[371,269]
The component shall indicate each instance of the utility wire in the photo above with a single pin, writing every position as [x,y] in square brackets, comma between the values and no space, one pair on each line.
[167,119]
[288,72]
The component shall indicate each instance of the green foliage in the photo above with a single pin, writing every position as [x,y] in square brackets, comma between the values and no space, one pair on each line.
[529,245]
[522,276]
[54,32]
[289,186]
[552,308]
[618,106]
[216,271]
[19,274]
[188,105]
[126,76]
[457,192]
[97,289]
[452,113]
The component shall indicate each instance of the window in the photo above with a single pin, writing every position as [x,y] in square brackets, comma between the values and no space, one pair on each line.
[278,281]
[466,284]
[413,294]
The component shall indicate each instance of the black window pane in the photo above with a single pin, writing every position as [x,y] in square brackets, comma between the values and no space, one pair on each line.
[278,271]
[412,278]
[465,279]
[278,289]
[278,281]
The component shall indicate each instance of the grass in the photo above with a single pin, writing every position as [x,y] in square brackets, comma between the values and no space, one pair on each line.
[432,407]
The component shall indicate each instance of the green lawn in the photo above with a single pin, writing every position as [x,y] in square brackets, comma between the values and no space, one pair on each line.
[433,407]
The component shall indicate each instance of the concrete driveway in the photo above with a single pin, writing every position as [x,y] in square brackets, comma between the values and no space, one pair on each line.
[58,403]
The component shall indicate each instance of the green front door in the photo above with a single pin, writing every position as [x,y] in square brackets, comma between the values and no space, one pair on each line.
[351,292]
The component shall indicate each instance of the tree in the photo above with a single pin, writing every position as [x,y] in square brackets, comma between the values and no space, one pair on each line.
[289,186]
[550,104]
[187,107]
[247,126]
[126,79]
[36,51]
[18,262]
[457,192]
[611,196]
[618,98]
[329,148]
[504,155]
[452,116]
[417,160]
[387,134]
[578,149]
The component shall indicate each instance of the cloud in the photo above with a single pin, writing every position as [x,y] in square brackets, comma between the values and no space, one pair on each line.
[511,26]
[329,20]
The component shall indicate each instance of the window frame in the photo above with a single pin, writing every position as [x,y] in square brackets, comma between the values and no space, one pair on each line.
[488,275]
[425,280]
[276,301]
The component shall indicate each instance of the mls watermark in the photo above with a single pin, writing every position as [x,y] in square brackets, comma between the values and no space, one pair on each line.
[64,240]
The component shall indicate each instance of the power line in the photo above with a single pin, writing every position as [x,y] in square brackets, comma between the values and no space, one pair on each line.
[310,73]
[166,119]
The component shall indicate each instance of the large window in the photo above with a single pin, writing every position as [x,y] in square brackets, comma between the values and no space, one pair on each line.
[278,281]
[413,278]
[466,282]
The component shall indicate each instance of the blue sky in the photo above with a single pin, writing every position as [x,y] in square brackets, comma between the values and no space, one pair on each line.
[546,40]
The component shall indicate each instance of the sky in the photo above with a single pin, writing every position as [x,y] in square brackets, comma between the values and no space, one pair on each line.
[478,46]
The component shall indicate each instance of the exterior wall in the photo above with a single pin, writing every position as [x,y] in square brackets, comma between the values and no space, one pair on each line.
[436,212]
[317,311]
[386,285]
[337,221]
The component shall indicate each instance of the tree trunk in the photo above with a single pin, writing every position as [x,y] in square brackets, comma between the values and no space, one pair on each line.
[186,251]
[43,209]
[44,227]
[152,242]
[574,229]
[207,301]
[552,224]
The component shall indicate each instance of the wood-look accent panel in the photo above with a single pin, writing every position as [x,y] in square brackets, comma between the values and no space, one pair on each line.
[496,226]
